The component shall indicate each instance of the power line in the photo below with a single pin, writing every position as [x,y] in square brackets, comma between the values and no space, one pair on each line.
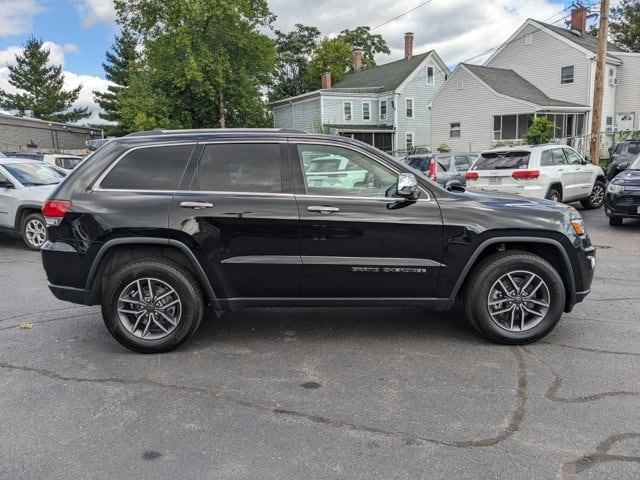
[402,14]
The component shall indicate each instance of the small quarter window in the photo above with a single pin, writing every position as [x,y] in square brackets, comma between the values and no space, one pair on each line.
[149,168]
[409,107]
[430,76]
[454,131]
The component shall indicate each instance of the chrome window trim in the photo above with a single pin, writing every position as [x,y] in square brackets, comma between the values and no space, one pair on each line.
[379,199]
[97,185]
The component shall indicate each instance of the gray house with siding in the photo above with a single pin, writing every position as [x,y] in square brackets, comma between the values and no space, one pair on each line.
[560,63]
[386,106]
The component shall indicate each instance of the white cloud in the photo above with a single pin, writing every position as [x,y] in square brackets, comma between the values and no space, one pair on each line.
[457,30]
[89,83]
[16,17]
[97,11]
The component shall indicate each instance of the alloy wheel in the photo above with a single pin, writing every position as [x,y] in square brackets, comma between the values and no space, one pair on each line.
[518,301]
[35,232]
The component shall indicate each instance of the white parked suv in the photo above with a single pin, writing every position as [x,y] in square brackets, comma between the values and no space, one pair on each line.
[554,172]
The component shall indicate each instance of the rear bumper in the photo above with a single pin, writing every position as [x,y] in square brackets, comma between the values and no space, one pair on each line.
[70,294]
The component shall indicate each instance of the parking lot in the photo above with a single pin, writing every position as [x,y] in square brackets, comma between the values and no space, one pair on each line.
[398,393]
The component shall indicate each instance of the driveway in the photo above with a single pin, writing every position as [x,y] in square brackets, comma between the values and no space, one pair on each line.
[396,393]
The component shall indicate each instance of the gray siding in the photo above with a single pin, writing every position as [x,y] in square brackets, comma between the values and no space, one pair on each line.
[628,89]
[540,63]
[473,107]
[304,115]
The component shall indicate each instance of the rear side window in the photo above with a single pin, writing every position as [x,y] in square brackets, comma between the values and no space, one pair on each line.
[235,167]
[502,161]
[149,168]
[443,162]
[462,162]
[634,148]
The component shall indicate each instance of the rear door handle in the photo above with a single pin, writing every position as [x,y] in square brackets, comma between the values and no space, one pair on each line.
[196,205]
[323,209]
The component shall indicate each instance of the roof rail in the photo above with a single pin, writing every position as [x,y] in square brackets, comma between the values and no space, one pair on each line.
[161,131]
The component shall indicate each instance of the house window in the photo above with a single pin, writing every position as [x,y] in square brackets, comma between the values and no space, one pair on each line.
[409,107]
[347,111]
[409,140]
[528,39]
[460,85]
[566,74]
[430,76]
[366,111]
[383,109]
[511,127]
[454,131]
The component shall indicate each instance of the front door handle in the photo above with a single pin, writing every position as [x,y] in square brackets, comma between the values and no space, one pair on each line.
[323,209]
[196,205]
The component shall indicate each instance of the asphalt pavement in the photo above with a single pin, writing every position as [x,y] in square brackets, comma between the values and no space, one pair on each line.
[393,393]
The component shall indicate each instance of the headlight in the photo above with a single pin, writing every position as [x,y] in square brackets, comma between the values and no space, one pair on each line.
[578,226]
[615,188]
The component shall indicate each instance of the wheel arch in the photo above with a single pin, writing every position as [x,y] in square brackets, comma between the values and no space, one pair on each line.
[555,186]
[23,211]
[117,252]
[547,248]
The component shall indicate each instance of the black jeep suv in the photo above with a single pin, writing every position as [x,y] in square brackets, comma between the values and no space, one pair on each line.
[157,225]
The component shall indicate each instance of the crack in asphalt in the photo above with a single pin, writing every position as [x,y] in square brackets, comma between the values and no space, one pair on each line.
[570,469]
[22,315]
[556,385]
[512,425]
[591,350]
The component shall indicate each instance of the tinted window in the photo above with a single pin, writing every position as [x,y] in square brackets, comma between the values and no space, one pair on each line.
[558,157]
[68,162]
[150,168]
[419,163]
[546,158]
[235,167]
[502,160]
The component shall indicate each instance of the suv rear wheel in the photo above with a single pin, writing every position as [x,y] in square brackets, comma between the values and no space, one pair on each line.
[152,305]
[514,297]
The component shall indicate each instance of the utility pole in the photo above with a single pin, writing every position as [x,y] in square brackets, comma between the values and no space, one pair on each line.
[596,116]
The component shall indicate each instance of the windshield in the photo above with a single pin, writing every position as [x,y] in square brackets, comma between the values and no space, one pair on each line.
[30,174]
[502,160]
[635,164]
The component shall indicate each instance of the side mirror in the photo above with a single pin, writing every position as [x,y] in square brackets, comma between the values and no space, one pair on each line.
[407,186]
[4,183]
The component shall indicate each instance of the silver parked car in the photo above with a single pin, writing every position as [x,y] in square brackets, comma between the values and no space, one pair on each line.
[24,186]
[447,169]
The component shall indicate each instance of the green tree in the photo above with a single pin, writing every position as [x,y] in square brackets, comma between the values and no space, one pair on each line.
[204,63]
[294,50]
[540,131]
[370,44]
[332,55]
[40,87]
[117,67]
[624,25]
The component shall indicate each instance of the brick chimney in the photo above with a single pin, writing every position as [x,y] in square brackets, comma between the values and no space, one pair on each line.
[325,81]
[579,19]
[408,45]
[357,59]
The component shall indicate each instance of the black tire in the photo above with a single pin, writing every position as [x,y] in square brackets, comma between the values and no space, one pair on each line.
[34,231]
[554,195]
[596,197]
[615,221]
[483,293]
[127,318]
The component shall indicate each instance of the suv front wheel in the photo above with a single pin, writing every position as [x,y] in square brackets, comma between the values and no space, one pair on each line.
[514,297]
[152,305]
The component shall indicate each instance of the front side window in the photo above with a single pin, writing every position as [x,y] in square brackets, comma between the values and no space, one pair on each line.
[347,111]
[566,74]
[383,109]
[337,171]
[573,157]
[454,130]
[366,111]
[409,107]
[251,167]
[150,168]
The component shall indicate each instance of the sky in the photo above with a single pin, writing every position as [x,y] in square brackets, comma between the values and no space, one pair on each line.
[78,33]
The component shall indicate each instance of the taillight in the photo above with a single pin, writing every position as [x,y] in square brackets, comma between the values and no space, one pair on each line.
[526,174]
[54,210]
[432,169]
[472,175]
